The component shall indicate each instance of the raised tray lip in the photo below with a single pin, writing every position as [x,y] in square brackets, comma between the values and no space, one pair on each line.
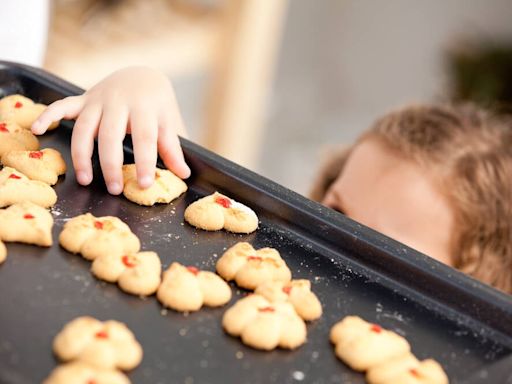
[450,288]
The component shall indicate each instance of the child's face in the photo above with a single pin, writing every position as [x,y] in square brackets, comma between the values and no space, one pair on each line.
[394,196]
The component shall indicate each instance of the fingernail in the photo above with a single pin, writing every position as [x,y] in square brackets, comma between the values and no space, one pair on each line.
[187,172]
[114,188]
[36,125]
[83,178]
[146,181]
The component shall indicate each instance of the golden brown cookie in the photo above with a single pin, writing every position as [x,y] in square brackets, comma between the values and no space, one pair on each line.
[362,345]
[265,325]
[95,236]
[138,273]
[26,223]
[15,188]
[22,110]
[108,345]
[187,289]
[296,292]
[15,138]
[166,188]
[407,370]
[81,373]
[45,165]
[251,268]
[3,252]
[216,212]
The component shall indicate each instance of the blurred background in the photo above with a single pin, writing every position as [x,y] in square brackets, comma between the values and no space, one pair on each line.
[271,84]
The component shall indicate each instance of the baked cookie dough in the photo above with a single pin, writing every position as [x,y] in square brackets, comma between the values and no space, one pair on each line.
[45,165]
[95,236]
[22,110]
[15,138]
[216,212]
[81,373]
[363,345]
[3,252]
[407,370]
[26,223]
[166,188]
[15,188]
[107,345]
[251,268]
[265,325]
[187,289]
[138,273]
[296,292]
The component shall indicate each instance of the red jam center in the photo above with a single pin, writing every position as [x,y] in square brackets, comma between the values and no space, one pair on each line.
[224,201]
[13,176]
[98,225]
[414,372]
[376,328]
[254,258]
[101,335]
[129,261]
[193,270]
[3,127]
[18,104]
[266,309]
[92,381]
[28,216]
[287,289]
[36,154]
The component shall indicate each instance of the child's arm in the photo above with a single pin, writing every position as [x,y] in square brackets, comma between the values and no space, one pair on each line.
[134,100]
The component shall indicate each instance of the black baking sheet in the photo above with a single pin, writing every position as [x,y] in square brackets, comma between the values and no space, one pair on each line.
[465,325]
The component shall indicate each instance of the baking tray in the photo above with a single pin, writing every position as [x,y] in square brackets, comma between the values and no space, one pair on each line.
[444,314]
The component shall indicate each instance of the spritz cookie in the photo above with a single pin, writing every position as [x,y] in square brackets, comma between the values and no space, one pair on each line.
[22,110]
[26,223]
[45,165]
[15,188]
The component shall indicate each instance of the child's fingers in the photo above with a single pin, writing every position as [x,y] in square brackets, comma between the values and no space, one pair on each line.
[170,151]
[110,146]
[82,142]
[144,128]
[67,108]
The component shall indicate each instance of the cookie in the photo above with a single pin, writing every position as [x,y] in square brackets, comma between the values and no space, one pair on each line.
[3,252]
[216,212]
[187,289]
[407,370]
[81,373]
[95,236]
[138,273]
[15,138]
[26,223]
[362,345]
[250,268]
[265,325]
[108,345]
[166,188]
[15,188]
[296,292]
[45,165]
[22,110]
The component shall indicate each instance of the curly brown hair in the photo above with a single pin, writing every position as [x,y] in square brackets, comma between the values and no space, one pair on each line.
[468,152]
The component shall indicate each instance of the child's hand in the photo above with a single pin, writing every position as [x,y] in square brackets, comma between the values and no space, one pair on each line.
[134,100]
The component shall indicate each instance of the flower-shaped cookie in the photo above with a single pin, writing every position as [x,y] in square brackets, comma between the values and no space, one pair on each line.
[46,165]
[187,289]
[362,345]
[265,325]
[166,188]
[26,223]
[81,373]
[15,138]
[408,370]
[3,252]
[297,292]
[95,236]
[108,344]
[138,273]
[21,110]
[15,187]
[250,268]
[215,212]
